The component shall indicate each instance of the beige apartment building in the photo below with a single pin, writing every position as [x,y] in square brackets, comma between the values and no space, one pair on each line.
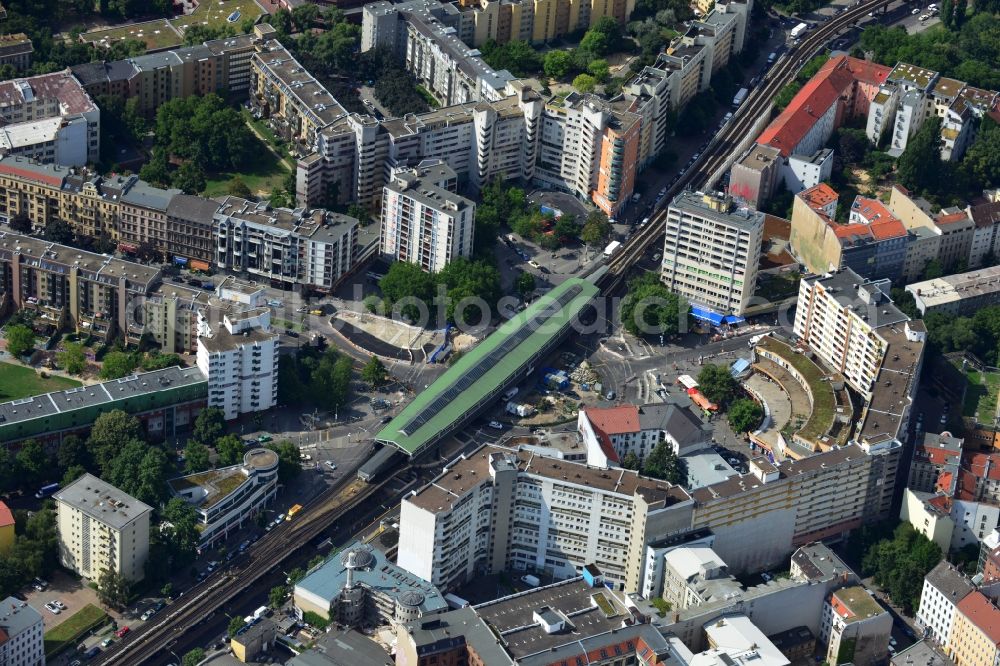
[102,529]
[975,632]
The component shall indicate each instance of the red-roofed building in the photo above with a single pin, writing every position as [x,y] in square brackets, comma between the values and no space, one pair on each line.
[873,244]
[934,456]
[843,88]
[975,633]
[610,433]
[6,528]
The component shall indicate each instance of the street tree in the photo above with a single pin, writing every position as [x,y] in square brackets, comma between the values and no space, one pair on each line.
[230,450]
[374,373]
[718,385]
[112,589]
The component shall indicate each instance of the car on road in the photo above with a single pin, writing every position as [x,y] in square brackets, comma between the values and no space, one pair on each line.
[916,10]
[496,425]
[264,439]
[290,333]
[280,517]
[52,608]
[534,264]
[386,419]
[329,463]
[121,632]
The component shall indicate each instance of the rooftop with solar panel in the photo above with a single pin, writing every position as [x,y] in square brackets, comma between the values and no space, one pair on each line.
[483,374]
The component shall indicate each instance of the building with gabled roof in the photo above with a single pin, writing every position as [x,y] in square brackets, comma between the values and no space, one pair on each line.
[611,433]
[975,634]
[944,587]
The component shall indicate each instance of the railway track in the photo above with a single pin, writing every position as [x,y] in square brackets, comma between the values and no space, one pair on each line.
[714,157]
[270,551]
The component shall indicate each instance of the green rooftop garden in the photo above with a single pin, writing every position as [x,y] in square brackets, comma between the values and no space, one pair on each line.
[823,398]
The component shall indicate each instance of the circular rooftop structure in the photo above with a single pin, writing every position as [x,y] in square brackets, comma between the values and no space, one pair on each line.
[359,557]
[411,598]
[261,459]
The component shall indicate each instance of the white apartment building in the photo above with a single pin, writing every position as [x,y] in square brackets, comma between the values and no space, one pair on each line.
[944,587]
[240,360]
[424,220]
[839,315]
[50,118]
[503,509]
[101,528]
[855,628]
[711,252]
[227,498]
[693,575]
[21,634]
[284,247]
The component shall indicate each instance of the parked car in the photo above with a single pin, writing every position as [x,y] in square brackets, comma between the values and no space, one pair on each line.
[290,333]
[148,614]
[496,425]
[305,456]
[329,463]
[52,608]
[264,439]
[107,641]
[121,632]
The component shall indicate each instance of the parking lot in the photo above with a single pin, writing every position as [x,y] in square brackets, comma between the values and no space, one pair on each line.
[73,593]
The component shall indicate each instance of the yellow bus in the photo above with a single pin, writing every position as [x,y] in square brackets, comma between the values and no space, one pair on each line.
[294,510]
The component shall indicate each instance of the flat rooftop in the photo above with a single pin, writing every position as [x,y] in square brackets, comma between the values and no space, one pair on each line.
[889,401]
[574,600]
[448,487]
[478,375]
[447,631]
[818,562]
[844,286]
[102,501]
[854,604]
[216,484]
[708,207]
[952,288]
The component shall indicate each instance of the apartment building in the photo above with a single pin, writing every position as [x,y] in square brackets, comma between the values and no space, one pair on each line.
[711,252]
[21,634]
[228,498]
[424,220]
[840,316]
[911,95]
[101,529]
[933,456]
[975,632]
[498,508]
[534,20]
[240,360]
[693,575]
[611,433]
[190,231]
[873,243]
[49,118]
[16,50]
[855,627]
[218,66]
[754,177]
[96,291]
[284,247]
[958,295]
[944,587]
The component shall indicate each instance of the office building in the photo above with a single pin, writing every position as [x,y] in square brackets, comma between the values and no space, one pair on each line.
[611,433]
[424,220]
[49,118]
[855,628]
[975,632]
[711,252]
[101,529]
[360,586]
[304,248]
[240,360]
[944,587]
[21,634]
[228,498]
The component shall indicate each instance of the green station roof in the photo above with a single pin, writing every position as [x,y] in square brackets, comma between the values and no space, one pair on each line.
[487,367]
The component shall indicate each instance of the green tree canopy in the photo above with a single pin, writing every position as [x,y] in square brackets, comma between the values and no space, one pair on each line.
[72,358]
[117,364]
[230,450]
[196,457]
[663,463]
[919,167]
[596,230]
[374,373]
[717,384]
[558,64]
[32,462]
[209,426]
[525,285]
[745,415]
[649,307]
[289,461]
[111,432]
[20,340]
[585,83]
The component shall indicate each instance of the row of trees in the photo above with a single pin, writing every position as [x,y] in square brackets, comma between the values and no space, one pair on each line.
[897,558]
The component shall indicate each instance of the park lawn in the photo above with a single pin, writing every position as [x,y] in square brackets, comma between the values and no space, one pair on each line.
[158,34]
[70,631]
[264,174]
[17,381]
